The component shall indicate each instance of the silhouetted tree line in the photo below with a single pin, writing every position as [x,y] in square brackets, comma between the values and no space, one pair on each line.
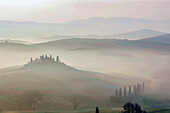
[137,90]
[127,94]
[44,59]
[129,108]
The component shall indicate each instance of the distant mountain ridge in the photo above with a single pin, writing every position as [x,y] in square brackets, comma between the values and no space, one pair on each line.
[91,26]
[134,35]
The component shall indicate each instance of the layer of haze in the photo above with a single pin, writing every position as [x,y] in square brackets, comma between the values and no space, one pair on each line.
[146,65]
[124,62]
[131,63]
[55,11]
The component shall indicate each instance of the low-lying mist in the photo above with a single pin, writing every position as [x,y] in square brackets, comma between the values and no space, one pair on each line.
[91,72]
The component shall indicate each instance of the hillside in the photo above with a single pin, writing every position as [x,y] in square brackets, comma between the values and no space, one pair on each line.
[59,37]
[55,75]
[134,35]
[15,46]
[76,43]
[14,41]
[62,82]
[88,44]
[163,38]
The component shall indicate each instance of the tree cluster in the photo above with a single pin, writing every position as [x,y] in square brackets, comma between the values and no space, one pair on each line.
[132,108]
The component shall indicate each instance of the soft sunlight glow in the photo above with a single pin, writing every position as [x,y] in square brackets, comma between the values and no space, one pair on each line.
[154,84]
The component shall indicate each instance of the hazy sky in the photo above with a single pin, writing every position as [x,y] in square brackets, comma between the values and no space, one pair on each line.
[67,10]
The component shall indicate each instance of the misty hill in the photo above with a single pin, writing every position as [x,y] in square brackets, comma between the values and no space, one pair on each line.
[14,41]
[140,34]
[59,37]
[87,44]
[163,38]
[91,26]
[50,75]
[135,35]
[12,46]
[61,83]
[76,43]
[49,63]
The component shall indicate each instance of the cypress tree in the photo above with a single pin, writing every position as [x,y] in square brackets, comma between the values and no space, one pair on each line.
[116,93]
[125,91]
[57,59]
[31,60]
[143,87]
[120,92]
[130,91]
[135,90]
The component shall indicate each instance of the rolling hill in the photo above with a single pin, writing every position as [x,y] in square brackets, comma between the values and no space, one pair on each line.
[55,76]
[135,35]
[76,43]
[15,46]
[14,41]
[60,37]
[60,82]
[86,44]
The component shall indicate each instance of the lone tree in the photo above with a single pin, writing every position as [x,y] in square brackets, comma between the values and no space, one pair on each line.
[75,103]
[97,110]
[18,100]
[32,97]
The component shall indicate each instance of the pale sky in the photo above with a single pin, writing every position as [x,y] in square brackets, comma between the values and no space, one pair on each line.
[56,11]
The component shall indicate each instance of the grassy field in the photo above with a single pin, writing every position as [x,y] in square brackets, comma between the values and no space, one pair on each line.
[160,111]
[114,110]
